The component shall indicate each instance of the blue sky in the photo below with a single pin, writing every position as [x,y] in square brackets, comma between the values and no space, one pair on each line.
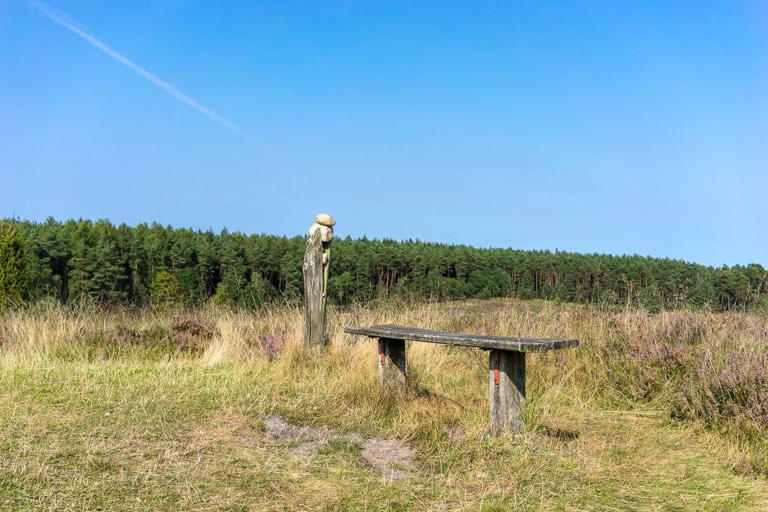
[615,127]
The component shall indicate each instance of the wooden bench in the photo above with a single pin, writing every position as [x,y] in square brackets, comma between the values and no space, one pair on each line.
[506,368]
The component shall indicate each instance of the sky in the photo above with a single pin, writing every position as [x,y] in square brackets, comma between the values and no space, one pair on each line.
[586,126]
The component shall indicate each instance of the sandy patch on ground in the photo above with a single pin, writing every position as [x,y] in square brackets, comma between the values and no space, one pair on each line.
[391,458]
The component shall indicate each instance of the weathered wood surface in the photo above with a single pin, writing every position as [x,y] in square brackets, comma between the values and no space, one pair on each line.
[507,396]
[513,344]
[314,293]
[392,371]
[506,372]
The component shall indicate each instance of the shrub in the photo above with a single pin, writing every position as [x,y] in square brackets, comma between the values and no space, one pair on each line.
[732,392]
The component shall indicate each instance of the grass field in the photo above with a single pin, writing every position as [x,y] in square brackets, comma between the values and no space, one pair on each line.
[145,410]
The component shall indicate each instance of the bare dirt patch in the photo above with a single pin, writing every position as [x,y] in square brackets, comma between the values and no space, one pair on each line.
[391,458]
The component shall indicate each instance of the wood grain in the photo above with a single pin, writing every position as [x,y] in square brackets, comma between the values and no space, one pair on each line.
[392,371]
[507,391]
[314,294]
[514,344]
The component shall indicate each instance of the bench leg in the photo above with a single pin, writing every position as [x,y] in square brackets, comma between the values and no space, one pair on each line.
[392,377]
[507,383]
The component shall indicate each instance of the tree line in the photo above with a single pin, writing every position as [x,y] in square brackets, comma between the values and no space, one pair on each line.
[154,264]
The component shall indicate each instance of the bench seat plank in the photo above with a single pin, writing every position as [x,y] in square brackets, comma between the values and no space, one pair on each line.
[511,344]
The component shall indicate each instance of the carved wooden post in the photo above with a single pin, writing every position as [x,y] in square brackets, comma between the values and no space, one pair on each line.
[507,382]
[316,261]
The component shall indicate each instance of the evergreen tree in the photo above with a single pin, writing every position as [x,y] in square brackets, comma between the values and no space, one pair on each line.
[13,277]
[81,258]
[166,290]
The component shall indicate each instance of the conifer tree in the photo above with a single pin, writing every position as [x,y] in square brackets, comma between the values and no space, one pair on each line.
[12,267]
[166,290]
[116,265]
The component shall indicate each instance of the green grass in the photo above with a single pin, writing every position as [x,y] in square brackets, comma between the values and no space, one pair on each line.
[148,428]
[144,436]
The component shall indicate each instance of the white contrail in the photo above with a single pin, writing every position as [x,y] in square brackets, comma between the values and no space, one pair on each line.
[64,21]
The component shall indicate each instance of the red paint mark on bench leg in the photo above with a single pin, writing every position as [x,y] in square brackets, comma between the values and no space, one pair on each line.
[381,352]
[496,367]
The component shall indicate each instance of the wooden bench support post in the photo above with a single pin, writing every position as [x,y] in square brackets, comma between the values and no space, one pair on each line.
[507,384]
[507,364]
[392,377]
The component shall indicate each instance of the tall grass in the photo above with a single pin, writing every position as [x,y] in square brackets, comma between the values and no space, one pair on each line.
[703,367]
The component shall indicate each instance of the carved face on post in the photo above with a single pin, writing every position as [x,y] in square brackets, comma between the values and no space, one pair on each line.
[324,223]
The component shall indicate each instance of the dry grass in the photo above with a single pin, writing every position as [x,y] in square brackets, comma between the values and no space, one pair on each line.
[127,410]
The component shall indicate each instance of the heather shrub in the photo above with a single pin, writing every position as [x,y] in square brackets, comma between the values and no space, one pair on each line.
[648,354]
[732,394]
[642,371]
[190,334]
[270,345]
[709,367]
[122,334]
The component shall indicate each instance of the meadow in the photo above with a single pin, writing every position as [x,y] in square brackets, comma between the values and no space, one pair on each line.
[217,408]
